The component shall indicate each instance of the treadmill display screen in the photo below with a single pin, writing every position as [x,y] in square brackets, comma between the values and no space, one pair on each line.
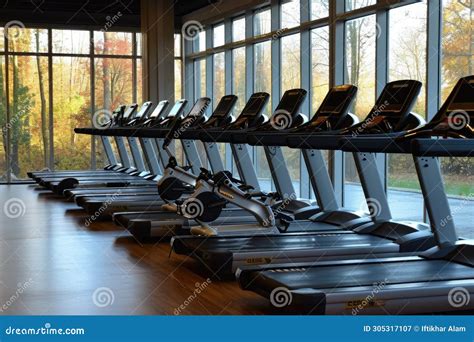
[199,107]
[159,109]
[177,108]
[254,105]
[292,100]
[334,102]
[143,110]
[394,97]
[464,98]
[129,113]
[224,106]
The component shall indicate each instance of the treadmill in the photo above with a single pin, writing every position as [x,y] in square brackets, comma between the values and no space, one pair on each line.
[59,183]
[175,180]
[223,255]
[432,281]
[173,222]
[156,224]
[113,164]
[152,151]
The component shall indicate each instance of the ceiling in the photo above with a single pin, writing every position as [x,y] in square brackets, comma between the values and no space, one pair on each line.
[85,13]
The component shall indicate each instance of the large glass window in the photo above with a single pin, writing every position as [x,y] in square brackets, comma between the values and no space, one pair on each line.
[458,61]
[360,71]
[238,78]
[360,58]
[407,60]
[34,143]
[319,9]
[219,35]
[219,78]
[291,78]
[238,29]
[262,22]
[319,66]
[290,13]
[263,81]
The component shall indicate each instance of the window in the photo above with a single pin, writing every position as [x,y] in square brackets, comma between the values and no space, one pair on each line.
[319,66]
[291,78]
[319,9]
[362,35]
[262,22]
[355,4]
[218,35]
[407,60]
[219,78]
[33,143]
[360,71]
[238,29]
[458,60]
[290,13]
[238,78]
[263,81]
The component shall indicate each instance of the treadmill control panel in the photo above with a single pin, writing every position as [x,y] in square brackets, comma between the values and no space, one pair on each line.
[159,109]
[285,114]
[333,109]
[391,108]
[252,113]
[221,114]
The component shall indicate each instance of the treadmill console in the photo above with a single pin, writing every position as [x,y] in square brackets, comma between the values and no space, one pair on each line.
[175,113]
[129,114]
[159,110]
[286,114]
[392,108]
[196,114]
[251,115]
[142,114]
[333,112]
[221,115]
[457,113]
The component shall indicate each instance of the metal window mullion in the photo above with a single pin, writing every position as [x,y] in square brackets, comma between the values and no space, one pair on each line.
[305,76]
[276,61]
[50,87]
[134,67]
[189,77]
[209,91]
[228,83]
[92,107]
[7,94]
[433,63]
[381,77]
[250,68]
[336,77]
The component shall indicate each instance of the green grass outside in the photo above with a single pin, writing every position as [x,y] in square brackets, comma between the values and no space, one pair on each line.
[454,185]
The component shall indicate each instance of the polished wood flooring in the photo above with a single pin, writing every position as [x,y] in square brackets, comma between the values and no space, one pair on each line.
[52,264]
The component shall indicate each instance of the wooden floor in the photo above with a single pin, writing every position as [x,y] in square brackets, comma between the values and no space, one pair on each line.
[51,264]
